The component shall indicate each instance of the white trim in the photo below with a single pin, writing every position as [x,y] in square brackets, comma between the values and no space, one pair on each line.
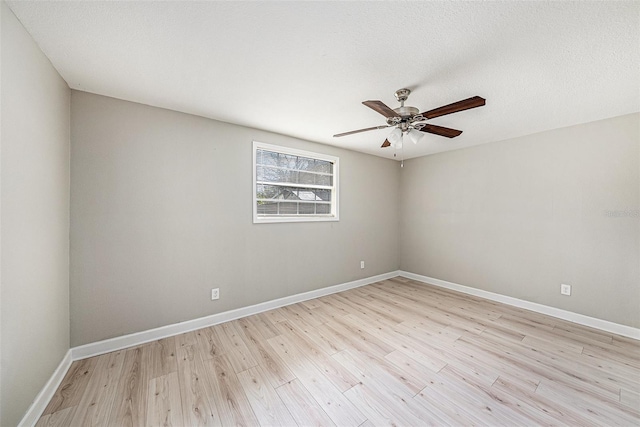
[118,343]
[101,347]
[46,394]
[581,319]
[335,188]
[130,340]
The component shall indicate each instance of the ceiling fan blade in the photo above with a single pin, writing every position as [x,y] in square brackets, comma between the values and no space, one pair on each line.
[465,104]
[385,144]
[381,107]
[439,130]
[359,130]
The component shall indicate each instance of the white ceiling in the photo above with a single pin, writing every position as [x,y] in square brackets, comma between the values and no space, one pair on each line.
[303,68]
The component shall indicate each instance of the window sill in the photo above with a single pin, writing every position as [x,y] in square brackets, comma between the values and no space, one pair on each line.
[277,219]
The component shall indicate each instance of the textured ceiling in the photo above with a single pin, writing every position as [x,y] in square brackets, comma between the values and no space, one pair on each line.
[303,68]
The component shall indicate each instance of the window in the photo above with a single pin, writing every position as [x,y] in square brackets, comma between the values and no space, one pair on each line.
[292,185]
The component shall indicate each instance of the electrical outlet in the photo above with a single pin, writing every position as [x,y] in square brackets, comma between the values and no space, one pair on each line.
[362,264]
[565,289]
[215,293]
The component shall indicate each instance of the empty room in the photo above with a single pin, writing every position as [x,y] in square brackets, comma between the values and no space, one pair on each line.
[318,213]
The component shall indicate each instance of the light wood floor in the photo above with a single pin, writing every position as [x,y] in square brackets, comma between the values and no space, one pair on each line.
[392,353]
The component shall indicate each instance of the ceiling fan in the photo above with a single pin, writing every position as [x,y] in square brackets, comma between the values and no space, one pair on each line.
[409,120]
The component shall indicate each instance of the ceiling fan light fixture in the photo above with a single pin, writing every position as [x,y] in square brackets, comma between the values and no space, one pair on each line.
[395,138]
[415,135]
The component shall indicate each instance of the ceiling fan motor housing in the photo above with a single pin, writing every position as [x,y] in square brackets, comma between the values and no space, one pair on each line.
[406,112]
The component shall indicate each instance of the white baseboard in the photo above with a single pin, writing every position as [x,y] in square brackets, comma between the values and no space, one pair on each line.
[42,399]
[101,347]
[581,319]
[130,340]
[118,343]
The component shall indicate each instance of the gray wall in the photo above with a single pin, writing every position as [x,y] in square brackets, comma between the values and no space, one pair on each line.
[34,219]
[161,212]
[520,217]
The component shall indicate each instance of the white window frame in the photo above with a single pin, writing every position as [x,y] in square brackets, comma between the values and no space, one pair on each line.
[333,216]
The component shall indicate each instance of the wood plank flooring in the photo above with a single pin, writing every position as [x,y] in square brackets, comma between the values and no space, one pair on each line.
[395,353]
